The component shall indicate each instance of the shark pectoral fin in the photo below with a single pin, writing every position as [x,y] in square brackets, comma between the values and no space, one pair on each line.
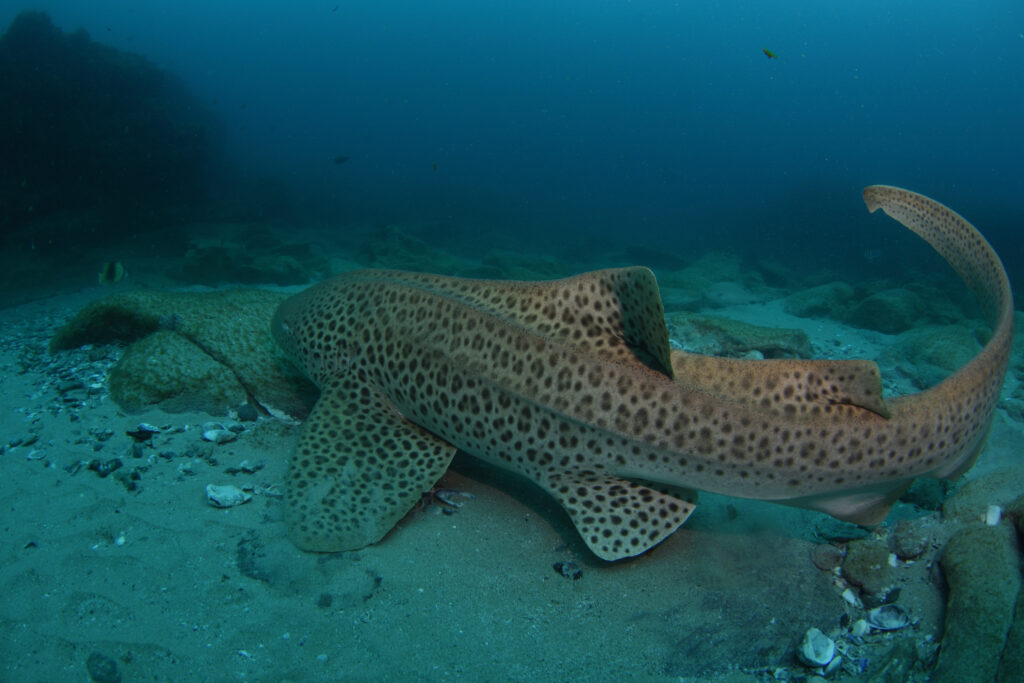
[866,506]
[617,518]
[359,467]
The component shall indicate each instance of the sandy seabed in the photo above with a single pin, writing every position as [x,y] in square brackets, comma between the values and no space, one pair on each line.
[135,571]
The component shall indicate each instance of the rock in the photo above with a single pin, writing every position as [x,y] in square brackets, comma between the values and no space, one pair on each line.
[718,336]
[982,568]
[226,496]
[167,370]
[722,294]
[867,565]
[203,340]
[890,311]
[971,502]
[219,435]
[247,254]
[395,247]
[834,530]
[247,413]
[142,145]
[895,666]
[828,300]
[826,556]
[908,540]
[214,432]
[102,669]
[1012,663]
[927,355]
[927,494]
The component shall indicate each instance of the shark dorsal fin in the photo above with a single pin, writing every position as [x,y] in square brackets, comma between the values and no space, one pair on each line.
[615,314]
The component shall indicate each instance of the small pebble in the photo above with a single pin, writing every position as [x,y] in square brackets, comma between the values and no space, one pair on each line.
[226,496]
[569,570]
[993,514]
[105,467]
[248,413]
[908,540]
[826,556]
[70,385]
[219,435]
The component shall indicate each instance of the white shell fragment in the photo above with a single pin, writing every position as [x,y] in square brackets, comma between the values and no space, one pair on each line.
[888,618]
[225,496]
[816,649]
[833,666]
[859,628]
[219,435]
[993,514]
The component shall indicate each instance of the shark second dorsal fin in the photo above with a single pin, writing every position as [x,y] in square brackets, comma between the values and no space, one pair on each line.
[616,314]
[784,387]
[358,469]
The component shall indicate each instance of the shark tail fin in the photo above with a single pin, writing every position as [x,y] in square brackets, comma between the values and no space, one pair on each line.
[967,399]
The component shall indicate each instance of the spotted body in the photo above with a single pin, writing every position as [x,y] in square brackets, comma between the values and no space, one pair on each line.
[572,384]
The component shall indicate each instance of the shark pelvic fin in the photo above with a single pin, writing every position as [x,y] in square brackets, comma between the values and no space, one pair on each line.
[617,518]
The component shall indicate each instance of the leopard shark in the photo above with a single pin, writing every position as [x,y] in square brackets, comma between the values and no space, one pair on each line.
[573,384]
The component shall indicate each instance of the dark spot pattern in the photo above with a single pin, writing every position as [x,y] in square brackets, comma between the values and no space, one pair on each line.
[571,383]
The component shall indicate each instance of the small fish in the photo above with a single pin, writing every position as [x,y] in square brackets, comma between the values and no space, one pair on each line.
[336,8]
[769,54]
[112,272]
[340,159]
[435,167]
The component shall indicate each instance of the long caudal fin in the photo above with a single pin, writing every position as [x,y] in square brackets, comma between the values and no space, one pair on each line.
[976,386]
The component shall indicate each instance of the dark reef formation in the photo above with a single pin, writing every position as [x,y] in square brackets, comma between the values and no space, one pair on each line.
[94,137]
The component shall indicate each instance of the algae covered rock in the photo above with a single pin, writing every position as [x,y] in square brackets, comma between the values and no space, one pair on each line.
[726,337]
[867,565]
[167,370]
[394,247]
[929,354]
[247,254]
[1011,668]
[824,301]
[982,568]
[192,350]
[890,311]
[971,501]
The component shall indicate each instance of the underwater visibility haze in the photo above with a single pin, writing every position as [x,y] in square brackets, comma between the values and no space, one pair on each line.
[487,477]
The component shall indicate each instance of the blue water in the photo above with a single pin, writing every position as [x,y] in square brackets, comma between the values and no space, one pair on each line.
[583,122]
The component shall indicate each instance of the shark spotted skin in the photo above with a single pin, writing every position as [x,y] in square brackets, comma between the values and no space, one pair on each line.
[572,384]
